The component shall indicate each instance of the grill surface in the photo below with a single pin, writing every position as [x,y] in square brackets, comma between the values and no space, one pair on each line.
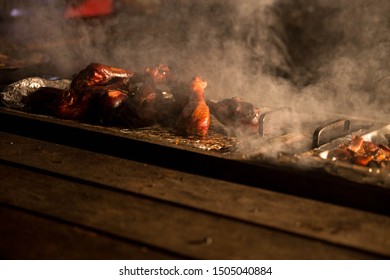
[219,157]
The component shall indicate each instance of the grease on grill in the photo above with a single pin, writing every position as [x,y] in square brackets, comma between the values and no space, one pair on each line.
[215,140]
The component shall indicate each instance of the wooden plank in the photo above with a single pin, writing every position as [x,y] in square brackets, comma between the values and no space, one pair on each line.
[27,236]
[336,224]
[162,225]
[283,176]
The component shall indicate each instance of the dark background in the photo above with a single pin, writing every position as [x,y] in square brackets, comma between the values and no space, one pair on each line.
[314,55]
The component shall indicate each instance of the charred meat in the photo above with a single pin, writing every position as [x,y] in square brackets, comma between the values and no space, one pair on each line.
[66,104]
[95,75]
[96,82]
[110,95]
[360,152]
[108,105]
[194,120]
[147,104]
[237,114]
[160,74]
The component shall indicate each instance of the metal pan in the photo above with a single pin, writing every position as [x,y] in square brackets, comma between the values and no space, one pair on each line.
[377,136]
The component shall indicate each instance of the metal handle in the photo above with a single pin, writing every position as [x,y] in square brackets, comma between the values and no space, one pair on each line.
[320,130]
[263,116]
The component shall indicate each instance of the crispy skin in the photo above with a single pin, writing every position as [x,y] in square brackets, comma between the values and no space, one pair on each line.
[356,144]
[363,160]
[340,154]
[72,105]
[66,104]
[145,105]
[236,113]
[148,99]
[96,81]
[364,153]
[194,120]
[112,95]
[159,74]
[108,105]
[95,75]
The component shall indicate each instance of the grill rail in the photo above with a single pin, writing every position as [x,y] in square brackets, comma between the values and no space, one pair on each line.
[300,175]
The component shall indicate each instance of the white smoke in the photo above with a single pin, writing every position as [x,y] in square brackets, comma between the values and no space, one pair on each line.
[318,56]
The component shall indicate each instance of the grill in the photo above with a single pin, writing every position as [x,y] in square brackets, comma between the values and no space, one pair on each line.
[298,166]
[83,191]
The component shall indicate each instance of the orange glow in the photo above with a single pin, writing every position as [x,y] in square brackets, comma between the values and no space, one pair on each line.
[114,93]
[198,85]
[90,8]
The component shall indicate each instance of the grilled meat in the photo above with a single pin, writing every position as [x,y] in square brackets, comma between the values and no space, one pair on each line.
[102,105]
[108,106]
[66,104]
[72,105]
[159,74]
[95,75]
[110,95]
[237,114]
[148,99]
[360,152]
[194,120]
[142,108]
[96,82]
[145,105]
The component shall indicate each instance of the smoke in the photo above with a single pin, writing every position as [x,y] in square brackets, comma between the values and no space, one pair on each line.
[316,56]
[347,45]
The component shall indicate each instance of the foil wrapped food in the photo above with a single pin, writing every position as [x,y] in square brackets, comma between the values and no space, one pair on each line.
[13,95]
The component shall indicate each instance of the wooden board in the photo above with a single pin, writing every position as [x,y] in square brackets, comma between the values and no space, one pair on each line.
[341,225]
[180,230]
[184,214]
[30,236]
[314,182]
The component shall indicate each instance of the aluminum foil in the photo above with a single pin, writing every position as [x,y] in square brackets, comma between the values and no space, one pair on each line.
[12,95]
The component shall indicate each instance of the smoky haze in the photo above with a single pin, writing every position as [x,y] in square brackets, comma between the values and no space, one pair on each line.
[316,56]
